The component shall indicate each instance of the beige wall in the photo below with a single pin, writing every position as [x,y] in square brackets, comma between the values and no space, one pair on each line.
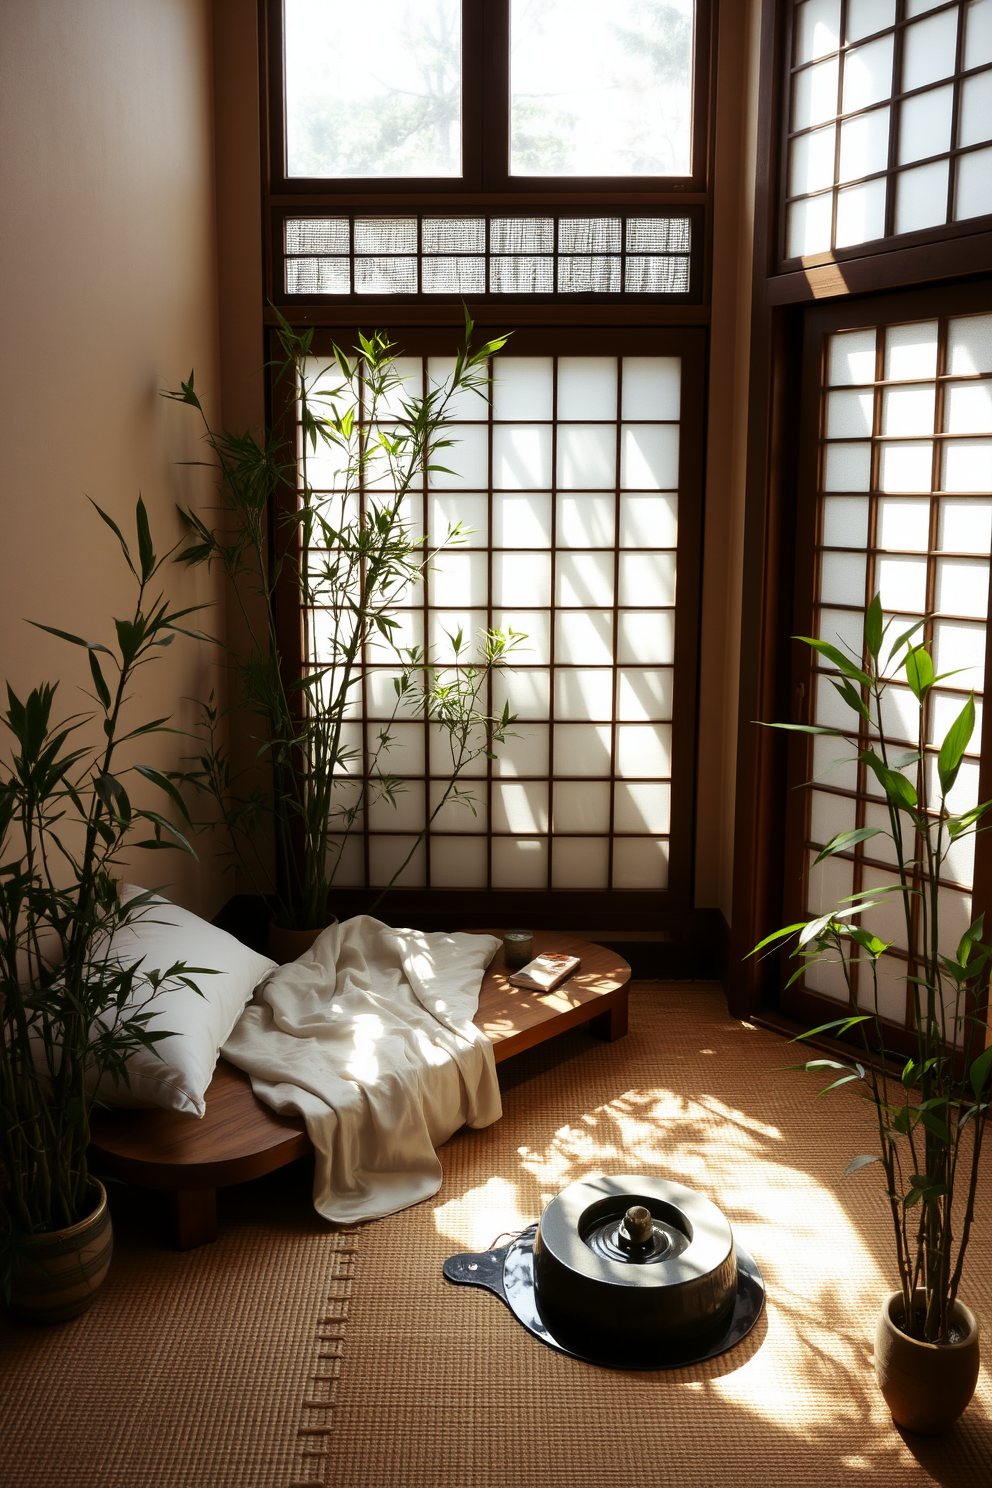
[107,267]
[723,542]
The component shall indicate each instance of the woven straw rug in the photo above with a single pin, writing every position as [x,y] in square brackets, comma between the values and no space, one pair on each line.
[191,1370]
[220,1367]
[443,1389]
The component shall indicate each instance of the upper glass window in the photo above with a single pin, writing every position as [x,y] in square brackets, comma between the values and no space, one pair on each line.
[489,94]
[601,90]
[890,119]
[373,93]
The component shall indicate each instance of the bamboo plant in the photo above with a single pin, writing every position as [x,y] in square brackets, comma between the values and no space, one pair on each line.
[71,1011]
[347,554]
[930,1109]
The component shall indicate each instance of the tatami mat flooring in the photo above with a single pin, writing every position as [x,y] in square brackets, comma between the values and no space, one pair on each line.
[289,1354]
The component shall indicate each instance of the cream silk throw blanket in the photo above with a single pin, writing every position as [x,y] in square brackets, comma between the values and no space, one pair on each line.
[369,1036]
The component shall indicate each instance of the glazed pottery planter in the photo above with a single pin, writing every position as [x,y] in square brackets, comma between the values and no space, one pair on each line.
[61,1271]
[926,1385]
[287,945]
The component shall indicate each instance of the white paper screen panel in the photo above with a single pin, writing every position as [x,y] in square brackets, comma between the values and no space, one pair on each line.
[904,510]
[569,484]
[890,120]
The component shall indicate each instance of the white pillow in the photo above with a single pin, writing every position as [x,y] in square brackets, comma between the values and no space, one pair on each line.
[177,1072]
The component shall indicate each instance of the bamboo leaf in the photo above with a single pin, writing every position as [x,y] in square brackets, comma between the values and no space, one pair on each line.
[857,1163]
[935,1125]
[164,784]
[843,1024]
[919,671]
[955,743]
[898,789]
[801,728]
[146,552]
[102,690]
[836,1084]
[844,841]
[115,529]
[958,825]
[873,626]
[841,662]
[775,935]
[979,1073]
[906,635]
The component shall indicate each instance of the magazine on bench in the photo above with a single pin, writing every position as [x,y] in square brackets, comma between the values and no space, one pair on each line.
[546,972]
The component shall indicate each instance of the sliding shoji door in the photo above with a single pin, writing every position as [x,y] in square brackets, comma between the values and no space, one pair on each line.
[578,484]
[898,501]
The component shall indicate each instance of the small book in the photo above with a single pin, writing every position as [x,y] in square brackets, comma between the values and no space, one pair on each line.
[546,972]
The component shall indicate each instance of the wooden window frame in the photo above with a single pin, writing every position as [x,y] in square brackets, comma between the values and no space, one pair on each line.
[891,242]
[927,254]
[630,909]
[485,131]
[779,302]
[802,1004]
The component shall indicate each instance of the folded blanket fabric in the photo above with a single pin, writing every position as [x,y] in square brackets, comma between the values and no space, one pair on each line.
[369,1037]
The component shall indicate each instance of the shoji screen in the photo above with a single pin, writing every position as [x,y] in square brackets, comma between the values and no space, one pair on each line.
[569,483]
[890,123]
[903,508]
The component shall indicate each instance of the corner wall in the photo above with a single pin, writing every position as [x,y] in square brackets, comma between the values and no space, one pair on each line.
[107,267]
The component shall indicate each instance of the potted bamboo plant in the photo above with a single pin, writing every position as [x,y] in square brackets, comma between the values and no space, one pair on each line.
[930,1109]
[71,1010]
[349,554]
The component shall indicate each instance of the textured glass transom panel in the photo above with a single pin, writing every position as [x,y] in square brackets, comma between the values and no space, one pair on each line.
[568,486]
[376,94]
[890,120]
[495,255]
[905,511]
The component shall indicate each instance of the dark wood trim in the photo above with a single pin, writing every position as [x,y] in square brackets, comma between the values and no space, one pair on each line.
[822,1010]
[617,313]
[689,946]
[766,588]
[893,267]
[767,601]
[480,201]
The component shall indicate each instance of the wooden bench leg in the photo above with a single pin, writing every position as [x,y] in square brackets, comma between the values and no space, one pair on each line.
[612,1025]
[194,1217]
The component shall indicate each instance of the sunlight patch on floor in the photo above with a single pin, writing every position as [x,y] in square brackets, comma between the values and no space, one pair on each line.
[823,1285]
[481,1215]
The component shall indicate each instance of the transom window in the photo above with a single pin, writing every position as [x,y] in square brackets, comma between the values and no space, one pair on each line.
[499,255]
[890,120]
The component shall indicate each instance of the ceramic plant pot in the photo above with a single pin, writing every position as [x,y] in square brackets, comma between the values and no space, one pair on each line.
[60,1272]
[926,1385]
[287,945]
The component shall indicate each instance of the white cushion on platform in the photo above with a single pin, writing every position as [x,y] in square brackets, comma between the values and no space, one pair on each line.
[177,1072]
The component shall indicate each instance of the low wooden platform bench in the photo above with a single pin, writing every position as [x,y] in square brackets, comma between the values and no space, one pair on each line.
[240,1138]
